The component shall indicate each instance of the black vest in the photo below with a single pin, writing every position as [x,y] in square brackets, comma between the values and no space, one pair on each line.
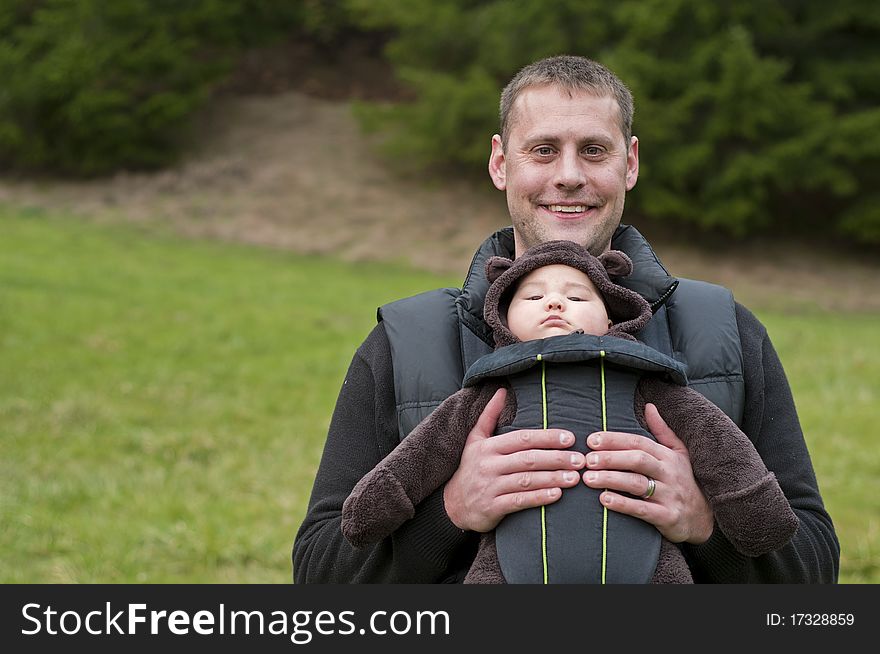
[436,336]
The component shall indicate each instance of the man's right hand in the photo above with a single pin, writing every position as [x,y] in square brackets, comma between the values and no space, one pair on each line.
[502,474]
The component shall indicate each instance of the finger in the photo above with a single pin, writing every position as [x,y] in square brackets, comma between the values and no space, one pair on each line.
[617,440]
[523,481]
[628,460]
[513,502]
[529,439]
[661,431]
[651,512]
[488,419]
[633,483]
[534,460]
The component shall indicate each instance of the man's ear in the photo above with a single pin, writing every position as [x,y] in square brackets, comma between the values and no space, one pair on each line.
[498,164]
[616,263]
[632,164]
[495,266]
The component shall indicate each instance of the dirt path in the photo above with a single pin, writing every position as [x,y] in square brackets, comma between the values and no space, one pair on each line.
[289,171]
[293,171]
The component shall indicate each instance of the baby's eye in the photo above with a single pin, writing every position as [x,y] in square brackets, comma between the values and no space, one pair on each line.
[535,297]
[575,298]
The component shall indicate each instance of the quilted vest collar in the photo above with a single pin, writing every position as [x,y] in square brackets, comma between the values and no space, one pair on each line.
[650,279]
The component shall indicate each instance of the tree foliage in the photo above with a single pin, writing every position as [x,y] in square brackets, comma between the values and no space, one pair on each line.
[751,114]
[90,86]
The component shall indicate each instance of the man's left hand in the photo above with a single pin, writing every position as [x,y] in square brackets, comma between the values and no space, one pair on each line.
[625,462]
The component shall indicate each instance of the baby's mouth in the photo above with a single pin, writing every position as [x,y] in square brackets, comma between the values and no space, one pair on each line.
[554,319]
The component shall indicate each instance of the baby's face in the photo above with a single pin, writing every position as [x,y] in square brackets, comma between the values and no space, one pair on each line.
[556,300]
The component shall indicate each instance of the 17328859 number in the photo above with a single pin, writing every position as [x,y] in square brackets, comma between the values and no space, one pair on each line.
[822,619]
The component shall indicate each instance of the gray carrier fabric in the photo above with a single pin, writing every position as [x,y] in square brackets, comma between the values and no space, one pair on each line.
[436,336]
[567,542]
[574,348]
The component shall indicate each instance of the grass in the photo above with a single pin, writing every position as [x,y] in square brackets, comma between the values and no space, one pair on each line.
[163,403]
[833,364]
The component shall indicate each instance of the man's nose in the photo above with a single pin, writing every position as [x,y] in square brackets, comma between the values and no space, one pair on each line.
[570,173]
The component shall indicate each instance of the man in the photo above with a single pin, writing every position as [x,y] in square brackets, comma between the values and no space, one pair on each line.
[565,158]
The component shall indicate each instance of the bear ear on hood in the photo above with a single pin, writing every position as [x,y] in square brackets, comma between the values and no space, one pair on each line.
[495,266]
[616,263]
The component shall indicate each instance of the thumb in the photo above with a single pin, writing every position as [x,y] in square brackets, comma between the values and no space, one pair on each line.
[657,426]
[488,419]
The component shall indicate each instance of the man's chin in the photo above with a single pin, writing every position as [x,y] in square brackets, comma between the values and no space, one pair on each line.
[591,233]
[586,234]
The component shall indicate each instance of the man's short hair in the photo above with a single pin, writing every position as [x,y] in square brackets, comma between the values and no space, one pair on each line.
[572,73]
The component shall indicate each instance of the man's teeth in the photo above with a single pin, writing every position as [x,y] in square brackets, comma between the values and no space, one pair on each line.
[567,208]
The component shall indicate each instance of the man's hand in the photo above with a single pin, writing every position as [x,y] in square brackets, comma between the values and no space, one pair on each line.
[507,473]
[624,462]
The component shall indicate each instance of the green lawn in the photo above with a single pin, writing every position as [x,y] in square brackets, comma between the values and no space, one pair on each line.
[833,365]
[163,403]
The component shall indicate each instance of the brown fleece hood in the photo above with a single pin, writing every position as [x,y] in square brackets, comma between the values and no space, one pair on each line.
[628,310]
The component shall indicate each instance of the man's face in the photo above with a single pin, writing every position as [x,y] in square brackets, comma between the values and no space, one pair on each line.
[556,300]
[566,168]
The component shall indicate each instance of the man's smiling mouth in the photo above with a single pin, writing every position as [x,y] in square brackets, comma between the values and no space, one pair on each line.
[563,208]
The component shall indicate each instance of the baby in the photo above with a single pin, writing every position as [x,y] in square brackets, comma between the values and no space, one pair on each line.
[566,350]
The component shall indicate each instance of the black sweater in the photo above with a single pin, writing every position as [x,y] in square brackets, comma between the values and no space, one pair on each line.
[430,549]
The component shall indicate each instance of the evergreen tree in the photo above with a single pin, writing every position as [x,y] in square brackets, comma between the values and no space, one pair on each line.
[751,114]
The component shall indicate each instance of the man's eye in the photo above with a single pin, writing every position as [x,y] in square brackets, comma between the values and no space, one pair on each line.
[544,151]
[593,150]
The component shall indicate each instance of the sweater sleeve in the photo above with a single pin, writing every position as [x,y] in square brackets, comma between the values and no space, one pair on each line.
[363,430]
[750,508]
[771,423]
[386,497]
